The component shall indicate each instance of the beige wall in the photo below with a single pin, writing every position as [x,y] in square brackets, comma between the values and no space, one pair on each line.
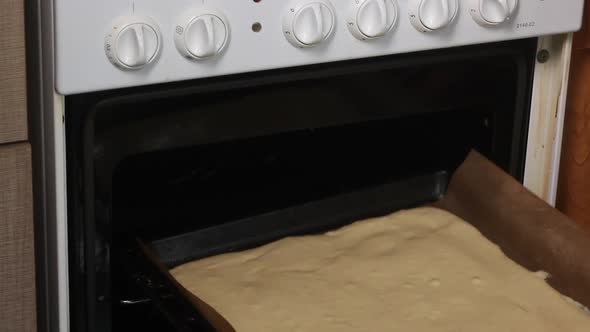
[17,268]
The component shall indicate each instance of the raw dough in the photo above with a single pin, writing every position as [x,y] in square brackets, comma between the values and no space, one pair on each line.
[415,270]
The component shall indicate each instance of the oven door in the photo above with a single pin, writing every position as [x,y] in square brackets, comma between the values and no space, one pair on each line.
[164,160]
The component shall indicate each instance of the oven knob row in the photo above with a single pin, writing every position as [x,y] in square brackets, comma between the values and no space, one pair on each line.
[135,41]
[431,15]
[308,23]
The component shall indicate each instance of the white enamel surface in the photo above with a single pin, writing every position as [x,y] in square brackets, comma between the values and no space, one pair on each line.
[82,65]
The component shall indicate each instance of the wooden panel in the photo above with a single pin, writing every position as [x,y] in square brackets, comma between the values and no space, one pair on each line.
[13,115]
[574,184]
[573,196]
[582,38]
[17,268]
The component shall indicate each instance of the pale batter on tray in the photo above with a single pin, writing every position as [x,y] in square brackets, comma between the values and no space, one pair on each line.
[416,270]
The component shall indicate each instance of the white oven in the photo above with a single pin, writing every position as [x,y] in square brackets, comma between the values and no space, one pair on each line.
[149,106]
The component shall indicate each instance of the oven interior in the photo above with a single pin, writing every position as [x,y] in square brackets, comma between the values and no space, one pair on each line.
[161,161]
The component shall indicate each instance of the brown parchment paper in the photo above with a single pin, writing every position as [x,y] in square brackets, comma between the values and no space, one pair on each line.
[527,229]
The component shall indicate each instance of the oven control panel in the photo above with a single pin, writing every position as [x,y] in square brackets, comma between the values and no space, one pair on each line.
[110,44]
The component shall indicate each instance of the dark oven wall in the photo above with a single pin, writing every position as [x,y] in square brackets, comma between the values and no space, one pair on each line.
[162,160]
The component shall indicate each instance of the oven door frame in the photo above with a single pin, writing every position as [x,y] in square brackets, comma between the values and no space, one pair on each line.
[47,131]
[548,106]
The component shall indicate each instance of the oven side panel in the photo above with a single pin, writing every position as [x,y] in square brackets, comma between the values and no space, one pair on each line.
[549,98]
[47,136]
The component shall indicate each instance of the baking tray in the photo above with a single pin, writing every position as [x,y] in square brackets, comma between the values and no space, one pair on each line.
[149,264]
[313,217]
[529,231]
